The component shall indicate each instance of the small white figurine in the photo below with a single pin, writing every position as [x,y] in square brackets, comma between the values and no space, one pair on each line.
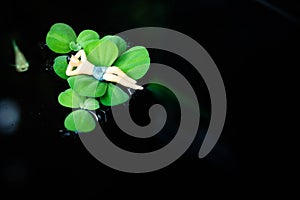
[79,64]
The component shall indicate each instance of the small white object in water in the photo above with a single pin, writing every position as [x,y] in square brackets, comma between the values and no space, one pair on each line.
[21,63]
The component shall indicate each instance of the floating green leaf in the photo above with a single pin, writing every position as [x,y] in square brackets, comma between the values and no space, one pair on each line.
[91,104]
[91,46]
[102,53]
[114,96]
[70,98]
[134,62]
[59,38]
[80,120]
[86,85]
[120,42]
[86,37]
[60,66]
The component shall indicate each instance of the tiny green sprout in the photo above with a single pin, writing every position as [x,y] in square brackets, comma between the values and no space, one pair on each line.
[86,93]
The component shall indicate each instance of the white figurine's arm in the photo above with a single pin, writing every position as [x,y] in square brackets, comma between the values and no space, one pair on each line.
[83,66]
[72,64]
[81,54]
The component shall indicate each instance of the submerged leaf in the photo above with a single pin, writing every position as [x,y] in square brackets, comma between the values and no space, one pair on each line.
[114,96]
[134,62]
[86,85]
[80,121]
[59,38]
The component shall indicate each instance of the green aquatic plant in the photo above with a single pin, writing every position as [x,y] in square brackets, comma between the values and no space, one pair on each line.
[86,94]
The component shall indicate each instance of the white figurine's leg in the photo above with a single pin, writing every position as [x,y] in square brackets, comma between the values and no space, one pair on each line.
[120,80]
[117,71]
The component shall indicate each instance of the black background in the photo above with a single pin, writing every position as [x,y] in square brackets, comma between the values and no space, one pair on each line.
[253,43]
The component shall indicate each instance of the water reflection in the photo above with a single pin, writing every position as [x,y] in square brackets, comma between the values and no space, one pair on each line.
[9,116]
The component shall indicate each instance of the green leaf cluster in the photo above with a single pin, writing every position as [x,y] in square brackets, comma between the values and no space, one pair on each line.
[86,93]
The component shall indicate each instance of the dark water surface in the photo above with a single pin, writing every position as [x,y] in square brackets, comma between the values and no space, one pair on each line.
[250,43]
